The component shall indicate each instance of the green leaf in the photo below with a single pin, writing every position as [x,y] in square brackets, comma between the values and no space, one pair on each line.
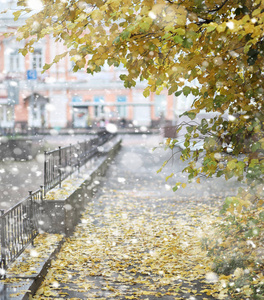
[173,88]
[177,94]
[168,177]
[159,170]
[146,93]
[219,100]
[163,165]
[17,14]
[159,81]
[46,67]
[247,47]
[195,91]
[255,147]
[219,173]
[123,77]
[211,27]
[189,129]
[166,35]
[180,31]
[59,57]
[186,144]
[116,40]
[189,114]
[175,188]
[144,26]
[231,165]
[187,43]
[23,51]
[186,90]
[178,39]
[125,34]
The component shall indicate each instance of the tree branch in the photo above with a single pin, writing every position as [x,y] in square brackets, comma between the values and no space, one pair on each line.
[218,8]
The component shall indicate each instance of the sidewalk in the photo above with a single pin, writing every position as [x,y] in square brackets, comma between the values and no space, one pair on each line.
[138,239]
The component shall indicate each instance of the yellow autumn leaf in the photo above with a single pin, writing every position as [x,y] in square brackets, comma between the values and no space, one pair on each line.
[238,272]
[221,27]
[247,290]
[97,15]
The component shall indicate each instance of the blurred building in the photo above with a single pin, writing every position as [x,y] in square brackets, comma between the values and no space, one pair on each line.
[60,98]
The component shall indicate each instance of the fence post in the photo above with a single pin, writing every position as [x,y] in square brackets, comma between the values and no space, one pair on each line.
[60,166]
[71,160]
[3,245]
[85,153]
[45,173]
[41,193]
[78,156]
[41,204]
[31,216]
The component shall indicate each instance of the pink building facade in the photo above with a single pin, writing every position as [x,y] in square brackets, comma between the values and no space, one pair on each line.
[60,98]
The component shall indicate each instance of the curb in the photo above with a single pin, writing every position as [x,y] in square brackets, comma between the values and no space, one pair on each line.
[21,287]
[43,272]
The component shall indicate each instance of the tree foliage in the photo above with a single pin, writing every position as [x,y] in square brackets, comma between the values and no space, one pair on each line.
[168,43]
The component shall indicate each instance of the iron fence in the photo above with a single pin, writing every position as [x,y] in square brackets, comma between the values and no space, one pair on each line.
[62,162]
[19,224]
[19,227]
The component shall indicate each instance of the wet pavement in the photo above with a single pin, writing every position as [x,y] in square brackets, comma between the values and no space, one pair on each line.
[137,239]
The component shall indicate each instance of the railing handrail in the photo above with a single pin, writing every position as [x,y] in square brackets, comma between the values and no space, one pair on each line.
[19,203]
[14,207]
[53,174]
[18,223]
[18,228]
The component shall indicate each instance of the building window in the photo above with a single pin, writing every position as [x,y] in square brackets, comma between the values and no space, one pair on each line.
[80,117]
[122,109]
[76,99]
[1,113]
[99,110]
[9,113]
[35,111]
[14,61]
[37,60]
[6,113]
[160,105]
[96,111]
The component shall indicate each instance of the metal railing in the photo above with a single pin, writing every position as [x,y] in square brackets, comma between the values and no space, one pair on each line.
[19,227]
[62,162]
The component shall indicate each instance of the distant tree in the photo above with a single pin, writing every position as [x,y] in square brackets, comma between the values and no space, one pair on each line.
[168,43]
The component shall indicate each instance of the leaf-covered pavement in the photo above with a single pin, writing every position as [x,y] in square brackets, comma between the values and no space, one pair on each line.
[135,241]
[125,249]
